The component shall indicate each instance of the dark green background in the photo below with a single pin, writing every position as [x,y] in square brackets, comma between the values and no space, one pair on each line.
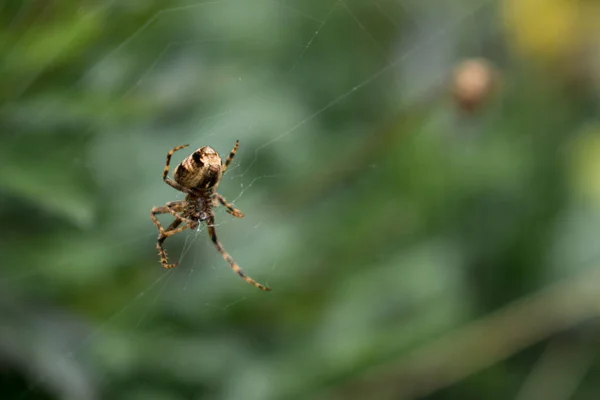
[413,249]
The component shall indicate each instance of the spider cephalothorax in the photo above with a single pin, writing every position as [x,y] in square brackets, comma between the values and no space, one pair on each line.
[198,176]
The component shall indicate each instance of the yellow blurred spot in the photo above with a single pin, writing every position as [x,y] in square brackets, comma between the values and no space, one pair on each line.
[545,29]
[585,165]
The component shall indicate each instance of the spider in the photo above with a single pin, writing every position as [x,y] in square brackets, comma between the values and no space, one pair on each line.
[197,176]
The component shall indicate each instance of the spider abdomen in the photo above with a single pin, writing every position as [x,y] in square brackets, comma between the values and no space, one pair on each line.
[200,170]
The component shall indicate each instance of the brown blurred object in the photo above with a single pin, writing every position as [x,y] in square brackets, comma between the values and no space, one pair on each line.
[473,82]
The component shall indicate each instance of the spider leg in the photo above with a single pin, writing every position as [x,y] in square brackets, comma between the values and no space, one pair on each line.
[168,180]
[231,155]
[210,223]
[171,230]
[157,211]
[164,234]
[230,208]
[175,207]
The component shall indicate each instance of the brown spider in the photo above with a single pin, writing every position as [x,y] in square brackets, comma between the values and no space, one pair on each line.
[198,176]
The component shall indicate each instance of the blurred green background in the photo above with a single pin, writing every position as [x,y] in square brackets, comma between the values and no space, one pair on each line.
[429,227]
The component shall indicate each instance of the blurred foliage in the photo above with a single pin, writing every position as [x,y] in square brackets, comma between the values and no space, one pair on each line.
[416,247]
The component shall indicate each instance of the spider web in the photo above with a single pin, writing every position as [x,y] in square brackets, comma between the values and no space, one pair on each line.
[210,72]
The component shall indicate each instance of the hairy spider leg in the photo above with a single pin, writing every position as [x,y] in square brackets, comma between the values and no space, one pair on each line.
[170,208]
[176,207]
[231,155]
[168,180]
[210,223]
[164,234]
[230,208]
